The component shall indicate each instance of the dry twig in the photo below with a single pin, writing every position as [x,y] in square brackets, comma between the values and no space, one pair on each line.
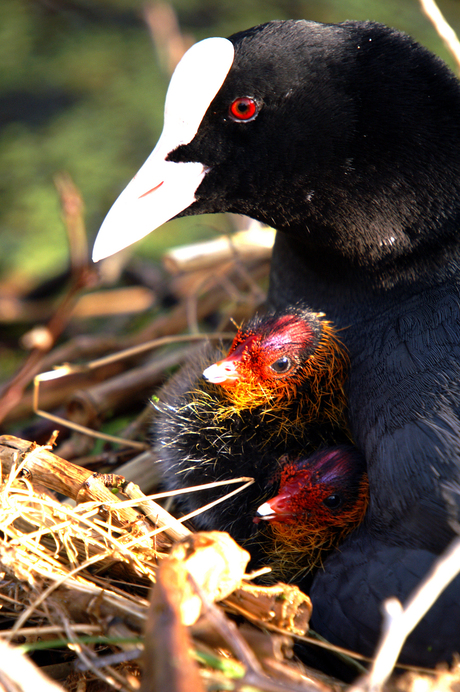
[443,28]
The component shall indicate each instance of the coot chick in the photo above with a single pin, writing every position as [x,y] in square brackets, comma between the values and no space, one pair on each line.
[281,387]
[321,499]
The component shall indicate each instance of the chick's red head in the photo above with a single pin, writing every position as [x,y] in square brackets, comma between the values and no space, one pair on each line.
[271,358]
[320,500]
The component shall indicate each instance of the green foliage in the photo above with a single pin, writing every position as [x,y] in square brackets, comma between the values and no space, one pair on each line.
[81,90]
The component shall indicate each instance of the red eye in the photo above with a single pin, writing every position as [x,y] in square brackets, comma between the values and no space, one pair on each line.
[243,109]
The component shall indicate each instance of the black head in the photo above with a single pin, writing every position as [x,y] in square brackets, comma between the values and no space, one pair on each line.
[345,136]
[351,144]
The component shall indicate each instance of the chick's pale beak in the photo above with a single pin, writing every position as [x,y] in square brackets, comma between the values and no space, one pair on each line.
[223,372]
[264,512]
[276,509]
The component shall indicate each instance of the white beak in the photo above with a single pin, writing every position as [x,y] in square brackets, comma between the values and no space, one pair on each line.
[162,189]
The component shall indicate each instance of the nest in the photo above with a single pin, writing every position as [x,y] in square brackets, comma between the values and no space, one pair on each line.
[101,585]
[76,582]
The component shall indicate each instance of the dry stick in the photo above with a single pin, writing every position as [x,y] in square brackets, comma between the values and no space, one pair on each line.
[12,393]
[28,551]
[168,665]
[72,212]
[444,30]
[163,326]
[114,301]
[53,629]
[255,676]
[247,482]
[58,581]
[166,34]
[101,602]
[174,527]
[117,385]
[89,406]
[46,468]
[15,309]
[111,677]
[131,647]
[76,596]
[142,469]
[60,475]
[349,656]
[72,207]
[176,321]
[254,243]
[154,343]
[399,622]
[83,347]
[54,396]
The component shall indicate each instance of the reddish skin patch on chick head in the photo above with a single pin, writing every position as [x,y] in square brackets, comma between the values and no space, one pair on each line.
[321,500]
[274,356]
[278,358]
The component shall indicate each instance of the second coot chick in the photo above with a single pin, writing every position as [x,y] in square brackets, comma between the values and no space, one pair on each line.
[280,388]
[321,499]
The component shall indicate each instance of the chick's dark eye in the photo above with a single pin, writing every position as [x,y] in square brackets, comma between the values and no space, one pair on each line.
[333,501]
[281,365]
[243,109]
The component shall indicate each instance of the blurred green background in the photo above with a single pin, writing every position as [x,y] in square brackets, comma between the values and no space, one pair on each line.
[82,87]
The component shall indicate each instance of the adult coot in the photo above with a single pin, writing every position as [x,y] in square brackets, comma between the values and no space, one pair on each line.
[345,138]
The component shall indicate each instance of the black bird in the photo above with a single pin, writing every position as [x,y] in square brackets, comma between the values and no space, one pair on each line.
[346,139]
[280,387]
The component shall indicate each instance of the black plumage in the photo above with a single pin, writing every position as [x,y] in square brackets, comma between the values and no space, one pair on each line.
[352,152]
